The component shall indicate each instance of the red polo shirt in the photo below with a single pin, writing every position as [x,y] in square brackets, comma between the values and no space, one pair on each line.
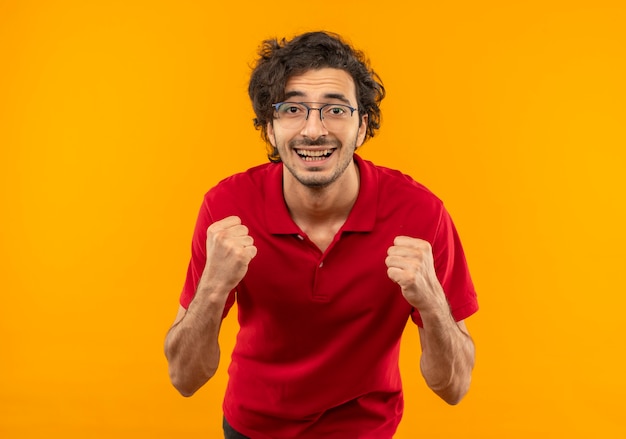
[317,350]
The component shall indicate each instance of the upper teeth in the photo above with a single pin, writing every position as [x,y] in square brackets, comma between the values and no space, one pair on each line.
[313,153]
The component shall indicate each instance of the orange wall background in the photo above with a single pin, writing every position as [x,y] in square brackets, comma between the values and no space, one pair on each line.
[116,117]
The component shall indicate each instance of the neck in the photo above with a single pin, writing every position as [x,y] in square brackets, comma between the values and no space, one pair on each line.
[331,204]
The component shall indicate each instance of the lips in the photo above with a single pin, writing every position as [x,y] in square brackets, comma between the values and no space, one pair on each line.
[314,155]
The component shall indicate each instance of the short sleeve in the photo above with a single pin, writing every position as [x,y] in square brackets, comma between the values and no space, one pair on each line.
[198,259]
[452,271]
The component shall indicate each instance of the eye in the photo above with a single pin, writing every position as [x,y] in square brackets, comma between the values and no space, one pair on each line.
[335,111]
[291,109]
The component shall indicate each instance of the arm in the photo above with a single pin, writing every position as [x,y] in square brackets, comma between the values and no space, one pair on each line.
[447,358]
[191,345]
[447,349]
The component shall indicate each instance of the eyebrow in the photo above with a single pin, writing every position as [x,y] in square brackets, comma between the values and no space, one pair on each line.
[338,96]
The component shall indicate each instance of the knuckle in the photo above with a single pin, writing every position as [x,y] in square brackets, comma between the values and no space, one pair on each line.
[425,245]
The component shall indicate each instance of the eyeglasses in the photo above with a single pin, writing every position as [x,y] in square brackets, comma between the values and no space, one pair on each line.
[292,115]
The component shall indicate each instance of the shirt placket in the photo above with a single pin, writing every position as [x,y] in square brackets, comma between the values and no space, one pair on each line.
[318,271]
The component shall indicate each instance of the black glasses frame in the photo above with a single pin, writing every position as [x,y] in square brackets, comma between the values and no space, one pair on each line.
[320,109]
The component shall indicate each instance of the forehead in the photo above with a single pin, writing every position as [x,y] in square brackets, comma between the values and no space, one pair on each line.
[322,84]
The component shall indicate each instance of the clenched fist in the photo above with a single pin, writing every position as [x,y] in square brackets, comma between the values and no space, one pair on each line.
[410,264]
[229,250]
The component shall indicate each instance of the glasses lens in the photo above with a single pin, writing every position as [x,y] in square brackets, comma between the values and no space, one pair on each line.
[291,113]
[335,114]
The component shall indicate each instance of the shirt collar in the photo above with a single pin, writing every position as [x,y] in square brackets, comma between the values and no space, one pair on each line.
[361,218]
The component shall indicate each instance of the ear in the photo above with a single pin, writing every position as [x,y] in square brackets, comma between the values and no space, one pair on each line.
[269,129]
[360,138]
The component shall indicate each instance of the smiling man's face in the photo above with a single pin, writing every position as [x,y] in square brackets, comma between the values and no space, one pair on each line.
[312,154]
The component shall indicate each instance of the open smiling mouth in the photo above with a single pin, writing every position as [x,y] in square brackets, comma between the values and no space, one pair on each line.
[312,156]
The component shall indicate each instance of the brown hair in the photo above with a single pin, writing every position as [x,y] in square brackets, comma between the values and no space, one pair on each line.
[279,60]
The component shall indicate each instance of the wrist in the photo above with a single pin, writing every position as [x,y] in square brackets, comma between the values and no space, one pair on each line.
[436,308]
[427,298]
[209,299]
[437,316]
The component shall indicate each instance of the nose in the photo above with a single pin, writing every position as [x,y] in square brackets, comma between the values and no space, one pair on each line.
[313,126]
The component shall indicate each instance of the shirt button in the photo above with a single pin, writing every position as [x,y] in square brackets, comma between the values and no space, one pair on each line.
[300,237]
[321,264]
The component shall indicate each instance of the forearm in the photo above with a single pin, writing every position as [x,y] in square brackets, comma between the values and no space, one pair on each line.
[447,349]
[191,346]
[447,355]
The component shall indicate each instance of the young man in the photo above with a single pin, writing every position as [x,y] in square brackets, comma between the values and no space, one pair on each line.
[327,256]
